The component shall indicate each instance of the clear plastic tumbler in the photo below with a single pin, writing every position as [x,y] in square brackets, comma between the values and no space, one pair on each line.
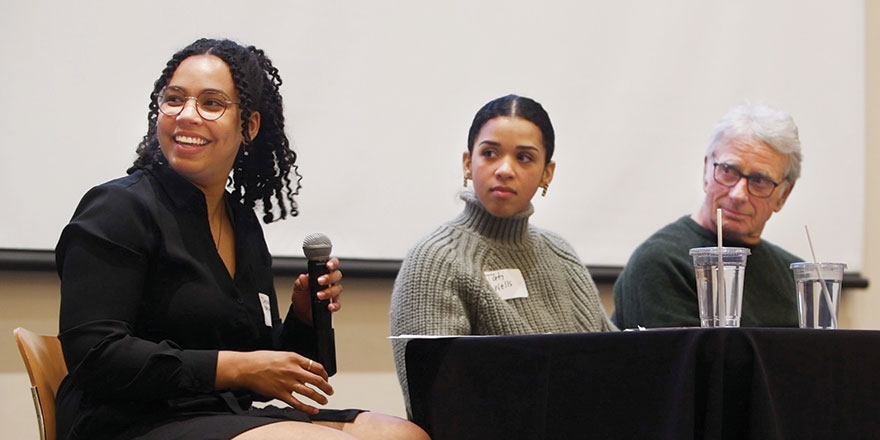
[818,307]
[720,302]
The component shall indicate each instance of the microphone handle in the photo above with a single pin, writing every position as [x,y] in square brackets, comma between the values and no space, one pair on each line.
[321,319]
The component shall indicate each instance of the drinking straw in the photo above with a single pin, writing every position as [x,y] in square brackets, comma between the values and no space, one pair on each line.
[722,295]
[832,309]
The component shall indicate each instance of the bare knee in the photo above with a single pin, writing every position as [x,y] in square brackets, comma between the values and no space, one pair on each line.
[369,426]
[293,431]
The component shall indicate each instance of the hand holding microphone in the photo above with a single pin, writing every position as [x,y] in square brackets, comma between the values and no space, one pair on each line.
[317,248]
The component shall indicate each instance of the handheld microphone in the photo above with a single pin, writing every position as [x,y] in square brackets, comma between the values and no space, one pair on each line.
[316,248]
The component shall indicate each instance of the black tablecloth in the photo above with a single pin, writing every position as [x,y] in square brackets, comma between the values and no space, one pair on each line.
[666,384]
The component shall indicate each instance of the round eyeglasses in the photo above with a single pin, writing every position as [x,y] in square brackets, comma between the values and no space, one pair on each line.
[210,105]
[759,186]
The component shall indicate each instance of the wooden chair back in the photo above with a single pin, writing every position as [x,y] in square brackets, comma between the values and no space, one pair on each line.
[46,368]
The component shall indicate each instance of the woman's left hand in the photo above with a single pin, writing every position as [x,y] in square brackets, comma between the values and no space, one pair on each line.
[302,301]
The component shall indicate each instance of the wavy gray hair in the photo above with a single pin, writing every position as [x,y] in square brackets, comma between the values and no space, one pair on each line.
[759,121]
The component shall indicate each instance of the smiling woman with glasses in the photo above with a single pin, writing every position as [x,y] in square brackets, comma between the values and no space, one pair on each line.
[169,323]
[211,105]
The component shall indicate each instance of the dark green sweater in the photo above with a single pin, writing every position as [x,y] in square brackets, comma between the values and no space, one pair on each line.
[658,287]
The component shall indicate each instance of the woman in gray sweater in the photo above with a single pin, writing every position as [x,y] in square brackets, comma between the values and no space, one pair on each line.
[488,271]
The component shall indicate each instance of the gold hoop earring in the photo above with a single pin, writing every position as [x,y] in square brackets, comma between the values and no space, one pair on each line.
[544,192]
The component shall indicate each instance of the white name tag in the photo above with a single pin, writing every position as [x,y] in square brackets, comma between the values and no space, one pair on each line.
[507,283]
[267,309]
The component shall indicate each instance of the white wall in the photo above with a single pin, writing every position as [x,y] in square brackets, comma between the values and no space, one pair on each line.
[380,94]
[863,306]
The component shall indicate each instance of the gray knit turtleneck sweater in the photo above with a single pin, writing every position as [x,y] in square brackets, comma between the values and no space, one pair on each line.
[441,288]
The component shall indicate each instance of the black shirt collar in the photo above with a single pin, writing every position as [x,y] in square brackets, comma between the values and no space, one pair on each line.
[179,190]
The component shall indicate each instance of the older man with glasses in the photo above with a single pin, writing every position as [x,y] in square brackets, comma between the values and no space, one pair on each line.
[751,165]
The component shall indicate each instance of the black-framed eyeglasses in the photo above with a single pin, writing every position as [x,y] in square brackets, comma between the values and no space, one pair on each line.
[759,186]
[210,105]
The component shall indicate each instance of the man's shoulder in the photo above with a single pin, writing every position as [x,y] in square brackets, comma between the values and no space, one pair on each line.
[780,253]
[674,239]
[665,252]
[655,286]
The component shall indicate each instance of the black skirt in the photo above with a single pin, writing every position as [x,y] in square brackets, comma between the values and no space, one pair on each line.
[227,426]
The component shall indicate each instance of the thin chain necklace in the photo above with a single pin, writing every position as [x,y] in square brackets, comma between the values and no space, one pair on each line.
[220,230]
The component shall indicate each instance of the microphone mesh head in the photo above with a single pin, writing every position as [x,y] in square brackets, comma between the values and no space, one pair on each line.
[317,246]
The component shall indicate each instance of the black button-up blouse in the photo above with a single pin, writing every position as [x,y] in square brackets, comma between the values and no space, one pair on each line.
[146,303]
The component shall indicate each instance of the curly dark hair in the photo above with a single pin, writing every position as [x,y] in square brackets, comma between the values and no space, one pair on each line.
[518,106]
[263,166]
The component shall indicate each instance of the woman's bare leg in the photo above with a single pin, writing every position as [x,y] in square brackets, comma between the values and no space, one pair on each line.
[376,426]
[291,430]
